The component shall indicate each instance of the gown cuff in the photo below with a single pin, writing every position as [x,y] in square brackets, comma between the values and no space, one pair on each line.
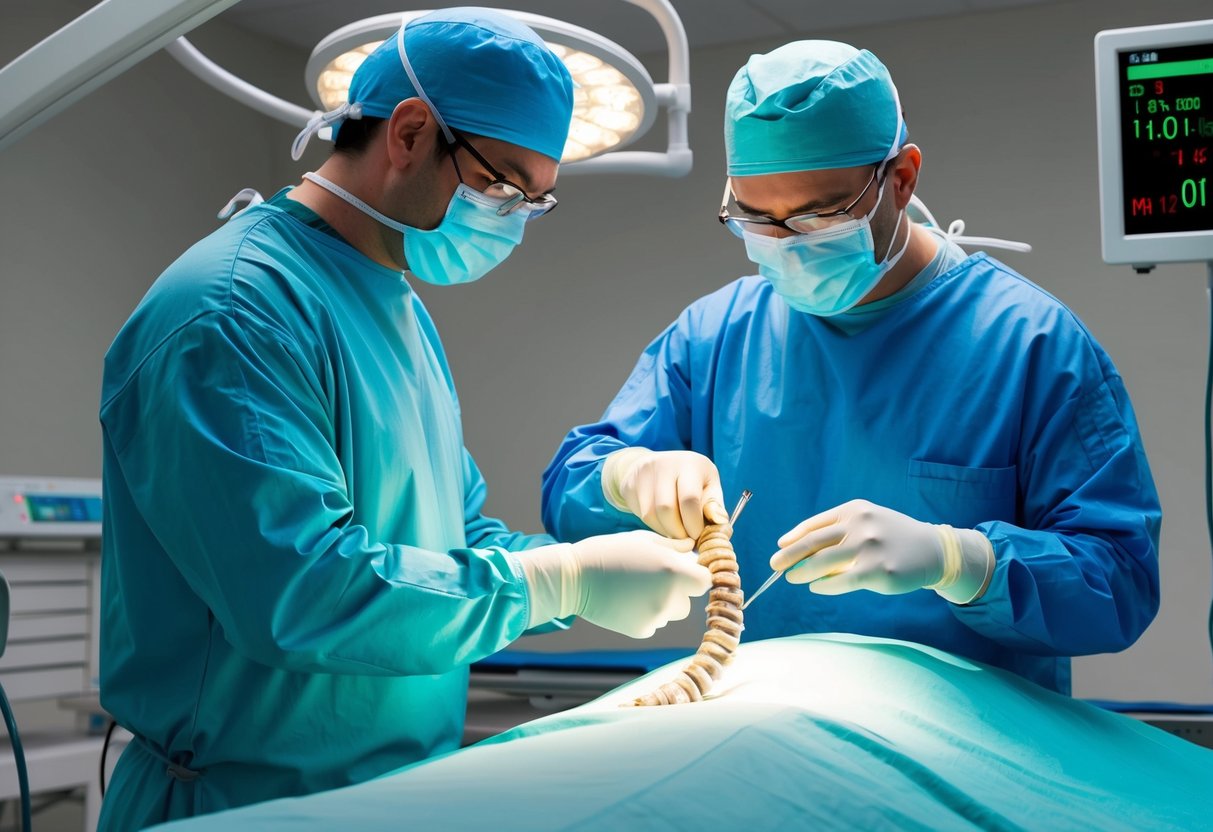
[968,565]
[614,470]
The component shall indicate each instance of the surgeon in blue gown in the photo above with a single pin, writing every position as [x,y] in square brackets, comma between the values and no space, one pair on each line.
[941,451]
[297,569]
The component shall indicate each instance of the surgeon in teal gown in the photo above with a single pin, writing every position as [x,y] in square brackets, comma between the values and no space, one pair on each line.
[938,447]
[297,568]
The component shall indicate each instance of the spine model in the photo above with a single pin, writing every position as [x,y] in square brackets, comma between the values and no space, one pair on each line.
[724,622]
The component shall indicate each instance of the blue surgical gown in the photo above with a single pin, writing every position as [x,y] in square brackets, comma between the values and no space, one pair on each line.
[979,401]
[296,567]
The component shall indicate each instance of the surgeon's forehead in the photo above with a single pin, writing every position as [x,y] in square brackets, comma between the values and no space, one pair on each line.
[800,192]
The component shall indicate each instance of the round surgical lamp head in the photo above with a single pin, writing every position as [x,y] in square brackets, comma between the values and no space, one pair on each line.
[614,102]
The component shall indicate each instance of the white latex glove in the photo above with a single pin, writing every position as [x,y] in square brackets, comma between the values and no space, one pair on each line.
[671,491]
[632,582]
[860,545]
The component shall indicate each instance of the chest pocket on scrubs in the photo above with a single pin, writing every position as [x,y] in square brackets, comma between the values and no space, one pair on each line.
[961,496]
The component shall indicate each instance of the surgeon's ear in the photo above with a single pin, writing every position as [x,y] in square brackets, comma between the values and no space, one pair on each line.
[410,134]
[903,178]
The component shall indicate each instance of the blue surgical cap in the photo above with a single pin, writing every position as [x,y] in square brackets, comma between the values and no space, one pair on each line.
[485,72]
[811,105]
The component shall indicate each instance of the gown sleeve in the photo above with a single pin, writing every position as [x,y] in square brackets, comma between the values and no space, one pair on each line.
[226,442]
[652,410]
[1079,573]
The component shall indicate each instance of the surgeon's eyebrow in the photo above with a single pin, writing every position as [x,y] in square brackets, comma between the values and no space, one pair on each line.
[516,174]
[807,208]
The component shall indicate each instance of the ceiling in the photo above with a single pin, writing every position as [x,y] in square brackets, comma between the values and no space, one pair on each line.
[303,23]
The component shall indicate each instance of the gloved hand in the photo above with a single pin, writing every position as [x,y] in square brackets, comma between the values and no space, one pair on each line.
[671,491]
[632,582]
[860,545]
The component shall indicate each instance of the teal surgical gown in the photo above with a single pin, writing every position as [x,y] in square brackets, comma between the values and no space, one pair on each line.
[979,401]
[296,567]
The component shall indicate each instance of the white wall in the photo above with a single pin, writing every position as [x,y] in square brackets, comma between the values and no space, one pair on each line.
[96,202]
[100,199]
[93,205]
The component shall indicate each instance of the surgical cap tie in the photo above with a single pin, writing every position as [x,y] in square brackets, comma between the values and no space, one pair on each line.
[416,82]
[897,145]
[251,196]
[320,121]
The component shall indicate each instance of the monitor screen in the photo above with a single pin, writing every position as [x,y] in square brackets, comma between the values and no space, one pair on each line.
[1166,128]
[65,508]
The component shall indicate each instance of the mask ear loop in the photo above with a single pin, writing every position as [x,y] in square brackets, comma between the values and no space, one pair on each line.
[955,231]
[956,228]
[341,193]
[894,149]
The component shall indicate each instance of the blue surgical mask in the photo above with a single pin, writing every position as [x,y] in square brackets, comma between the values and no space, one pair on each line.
[825,272]
[472,239]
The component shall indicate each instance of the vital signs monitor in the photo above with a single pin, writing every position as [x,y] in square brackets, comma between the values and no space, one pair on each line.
[1154,99]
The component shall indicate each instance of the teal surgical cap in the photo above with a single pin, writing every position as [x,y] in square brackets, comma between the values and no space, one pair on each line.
[811,105]
[485,73]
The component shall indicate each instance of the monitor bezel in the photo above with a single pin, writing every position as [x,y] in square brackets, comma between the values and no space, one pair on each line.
[1117,247]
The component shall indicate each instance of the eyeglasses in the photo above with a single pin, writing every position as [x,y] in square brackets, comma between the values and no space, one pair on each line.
[799,224]
[511,196]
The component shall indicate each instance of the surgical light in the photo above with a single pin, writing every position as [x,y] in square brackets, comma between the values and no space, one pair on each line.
[615,101]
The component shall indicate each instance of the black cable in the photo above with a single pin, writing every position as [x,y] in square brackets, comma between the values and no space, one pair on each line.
[105,747]
[19,756]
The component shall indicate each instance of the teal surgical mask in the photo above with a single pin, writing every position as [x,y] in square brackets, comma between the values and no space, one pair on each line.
[825,272]
[471,240]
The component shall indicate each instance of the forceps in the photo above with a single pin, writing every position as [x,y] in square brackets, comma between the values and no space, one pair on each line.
[745,498]
[775,576]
